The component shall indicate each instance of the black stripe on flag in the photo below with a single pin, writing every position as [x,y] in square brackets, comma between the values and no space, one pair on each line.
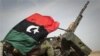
[33,30]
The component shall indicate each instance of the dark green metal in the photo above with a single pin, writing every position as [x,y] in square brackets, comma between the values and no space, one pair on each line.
[71,43]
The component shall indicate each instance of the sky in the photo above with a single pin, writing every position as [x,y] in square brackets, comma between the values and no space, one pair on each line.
[64,11]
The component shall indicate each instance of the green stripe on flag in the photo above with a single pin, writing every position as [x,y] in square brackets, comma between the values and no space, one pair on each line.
[20,41]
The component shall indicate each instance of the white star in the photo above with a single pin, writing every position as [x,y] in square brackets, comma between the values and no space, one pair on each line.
[32,27]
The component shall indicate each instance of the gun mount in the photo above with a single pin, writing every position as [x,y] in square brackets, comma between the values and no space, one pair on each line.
[70,42]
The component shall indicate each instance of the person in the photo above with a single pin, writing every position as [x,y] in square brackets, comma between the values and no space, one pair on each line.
[45,49]
[57,43]
[57,46]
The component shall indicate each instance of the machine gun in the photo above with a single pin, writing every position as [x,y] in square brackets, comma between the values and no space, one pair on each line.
[70,42]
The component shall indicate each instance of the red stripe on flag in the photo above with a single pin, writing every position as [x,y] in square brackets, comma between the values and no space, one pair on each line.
[46,21]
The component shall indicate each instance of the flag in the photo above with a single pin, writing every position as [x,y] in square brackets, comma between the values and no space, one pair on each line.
[27,34]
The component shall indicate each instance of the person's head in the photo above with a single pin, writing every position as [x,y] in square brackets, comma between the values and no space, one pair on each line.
[58,38]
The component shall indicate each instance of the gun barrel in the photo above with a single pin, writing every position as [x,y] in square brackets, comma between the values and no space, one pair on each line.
[80,14]
[74,25]
[78,19]
[85,6]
